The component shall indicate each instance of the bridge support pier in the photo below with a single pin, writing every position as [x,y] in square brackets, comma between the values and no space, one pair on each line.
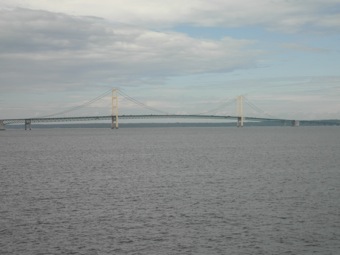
[28,124]
[239,121]
[2,125]
[114,122]
[295,123]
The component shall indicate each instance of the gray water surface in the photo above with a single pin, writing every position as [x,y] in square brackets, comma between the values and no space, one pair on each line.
[268,190]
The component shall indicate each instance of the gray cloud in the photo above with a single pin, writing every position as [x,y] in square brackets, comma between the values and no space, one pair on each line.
[304,48]
[283,15]
[43,49]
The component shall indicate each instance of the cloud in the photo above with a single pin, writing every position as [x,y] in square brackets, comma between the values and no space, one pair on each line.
[43,49]
[283,15]
[304,48]
[66,47]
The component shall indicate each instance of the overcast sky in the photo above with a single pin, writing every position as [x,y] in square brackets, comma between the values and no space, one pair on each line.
[177,56]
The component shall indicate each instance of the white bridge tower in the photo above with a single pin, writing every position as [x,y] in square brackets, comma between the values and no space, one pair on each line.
[240,116]
[114,115]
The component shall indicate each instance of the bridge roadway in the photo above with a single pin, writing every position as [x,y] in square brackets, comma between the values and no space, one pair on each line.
[150,116]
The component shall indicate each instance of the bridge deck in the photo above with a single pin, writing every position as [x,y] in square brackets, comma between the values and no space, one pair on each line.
[151,116]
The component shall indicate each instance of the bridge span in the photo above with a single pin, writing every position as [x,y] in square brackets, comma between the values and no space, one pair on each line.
[28,121]
[115,117]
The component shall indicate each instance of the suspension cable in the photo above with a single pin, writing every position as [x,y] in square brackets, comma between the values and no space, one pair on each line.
[135,101]
[79,106]
[214,110]
[256,108]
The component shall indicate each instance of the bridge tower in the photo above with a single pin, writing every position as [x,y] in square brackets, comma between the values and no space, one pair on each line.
[240,116]
[114,115]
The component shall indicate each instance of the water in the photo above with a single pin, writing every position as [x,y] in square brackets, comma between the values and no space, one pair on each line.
[170,191]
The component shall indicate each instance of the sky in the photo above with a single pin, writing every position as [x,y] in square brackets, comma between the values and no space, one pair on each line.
[180,57]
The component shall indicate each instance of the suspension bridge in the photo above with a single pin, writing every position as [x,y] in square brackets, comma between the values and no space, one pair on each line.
[115,117]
